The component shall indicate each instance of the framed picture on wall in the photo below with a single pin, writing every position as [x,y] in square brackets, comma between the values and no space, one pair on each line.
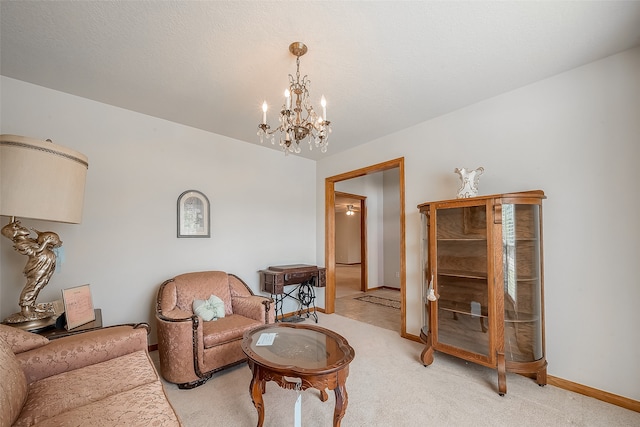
[193,214]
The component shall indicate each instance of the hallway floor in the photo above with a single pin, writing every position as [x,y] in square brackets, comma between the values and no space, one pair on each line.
[376,313]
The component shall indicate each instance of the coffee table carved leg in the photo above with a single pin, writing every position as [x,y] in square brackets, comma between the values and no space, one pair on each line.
[341,404]
[323,395]
[256,388]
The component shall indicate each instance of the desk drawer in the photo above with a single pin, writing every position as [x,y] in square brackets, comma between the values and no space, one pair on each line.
[272,282]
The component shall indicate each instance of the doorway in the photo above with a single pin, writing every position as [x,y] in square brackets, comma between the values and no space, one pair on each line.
[351,243]
[330,232]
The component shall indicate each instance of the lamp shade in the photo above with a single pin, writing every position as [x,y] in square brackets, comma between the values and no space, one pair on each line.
[41,180]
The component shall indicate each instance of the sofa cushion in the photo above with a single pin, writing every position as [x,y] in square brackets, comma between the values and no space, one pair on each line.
[52,396]
[145,405]
[20,340]
[13,387]
[80,350]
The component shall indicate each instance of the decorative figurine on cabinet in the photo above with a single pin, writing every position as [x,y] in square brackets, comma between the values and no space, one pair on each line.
[470,180]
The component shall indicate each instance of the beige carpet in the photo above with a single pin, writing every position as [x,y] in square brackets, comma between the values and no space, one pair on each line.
[388,386]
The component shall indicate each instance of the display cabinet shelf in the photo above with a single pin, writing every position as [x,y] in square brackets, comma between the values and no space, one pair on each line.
[482,259]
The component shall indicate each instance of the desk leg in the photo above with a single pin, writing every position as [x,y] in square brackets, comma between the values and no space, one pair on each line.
[306,297]
[278,298]
[256,388]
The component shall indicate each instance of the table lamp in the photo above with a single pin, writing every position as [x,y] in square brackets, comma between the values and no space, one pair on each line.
[44,181]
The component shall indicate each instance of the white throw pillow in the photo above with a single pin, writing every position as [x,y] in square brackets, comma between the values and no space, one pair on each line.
[211,309]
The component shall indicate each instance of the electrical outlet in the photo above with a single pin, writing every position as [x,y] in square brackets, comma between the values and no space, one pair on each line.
[397,274]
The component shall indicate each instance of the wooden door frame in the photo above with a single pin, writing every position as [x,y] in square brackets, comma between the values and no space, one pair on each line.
[330,233]
[364,275]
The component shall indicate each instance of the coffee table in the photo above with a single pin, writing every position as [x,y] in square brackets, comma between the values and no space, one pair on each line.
[317,356]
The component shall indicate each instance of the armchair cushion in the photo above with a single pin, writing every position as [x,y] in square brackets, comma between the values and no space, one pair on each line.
[211,309]
[227,329]
[200,285]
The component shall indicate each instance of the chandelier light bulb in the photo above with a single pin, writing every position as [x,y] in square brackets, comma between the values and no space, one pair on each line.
[323,102]
[287,96]
[264,112]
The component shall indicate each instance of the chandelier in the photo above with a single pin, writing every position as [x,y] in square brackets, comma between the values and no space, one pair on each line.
[299,121]
[350,210]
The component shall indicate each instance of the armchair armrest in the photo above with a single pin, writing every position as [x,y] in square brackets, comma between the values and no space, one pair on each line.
[83,349]
[178,332]
[254,307]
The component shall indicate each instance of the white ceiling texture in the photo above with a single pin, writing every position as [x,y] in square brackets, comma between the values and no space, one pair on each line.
[382,65]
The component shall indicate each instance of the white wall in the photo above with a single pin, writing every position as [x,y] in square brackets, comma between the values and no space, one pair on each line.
[348,238]
[391,227]
[126,245]
[577,137]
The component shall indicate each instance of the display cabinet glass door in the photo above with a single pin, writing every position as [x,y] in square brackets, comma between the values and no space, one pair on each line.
[462,279]
[522,282]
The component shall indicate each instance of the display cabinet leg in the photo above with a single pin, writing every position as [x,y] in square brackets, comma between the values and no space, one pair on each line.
[502,375]
[427,356]
[427,353]
[541,376]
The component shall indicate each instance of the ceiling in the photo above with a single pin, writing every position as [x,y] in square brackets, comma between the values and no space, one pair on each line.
[382,65]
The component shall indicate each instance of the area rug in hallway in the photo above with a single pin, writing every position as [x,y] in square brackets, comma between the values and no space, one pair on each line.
[380,301]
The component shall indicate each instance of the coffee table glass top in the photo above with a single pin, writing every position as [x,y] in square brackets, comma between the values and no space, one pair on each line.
[298,347]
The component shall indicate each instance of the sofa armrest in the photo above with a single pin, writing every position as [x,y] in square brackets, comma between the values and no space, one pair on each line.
[254,307]
[83,349]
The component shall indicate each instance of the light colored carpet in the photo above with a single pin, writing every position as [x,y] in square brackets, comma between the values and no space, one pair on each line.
[389,386]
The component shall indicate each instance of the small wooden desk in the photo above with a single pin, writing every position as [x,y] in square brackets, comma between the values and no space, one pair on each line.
[306,277]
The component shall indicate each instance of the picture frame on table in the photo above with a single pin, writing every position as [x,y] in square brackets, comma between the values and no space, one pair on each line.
[78,306]
[193,214]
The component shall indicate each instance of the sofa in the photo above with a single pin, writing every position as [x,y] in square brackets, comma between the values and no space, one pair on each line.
[191,349]
[102,377]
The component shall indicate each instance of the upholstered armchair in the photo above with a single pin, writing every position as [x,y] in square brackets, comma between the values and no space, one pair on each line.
[191,350]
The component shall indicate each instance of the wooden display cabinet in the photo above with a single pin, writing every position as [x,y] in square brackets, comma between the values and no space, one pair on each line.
[483,266]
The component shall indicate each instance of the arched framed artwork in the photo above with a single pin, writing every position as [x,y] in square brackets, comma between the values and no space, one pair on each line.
[193,214]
